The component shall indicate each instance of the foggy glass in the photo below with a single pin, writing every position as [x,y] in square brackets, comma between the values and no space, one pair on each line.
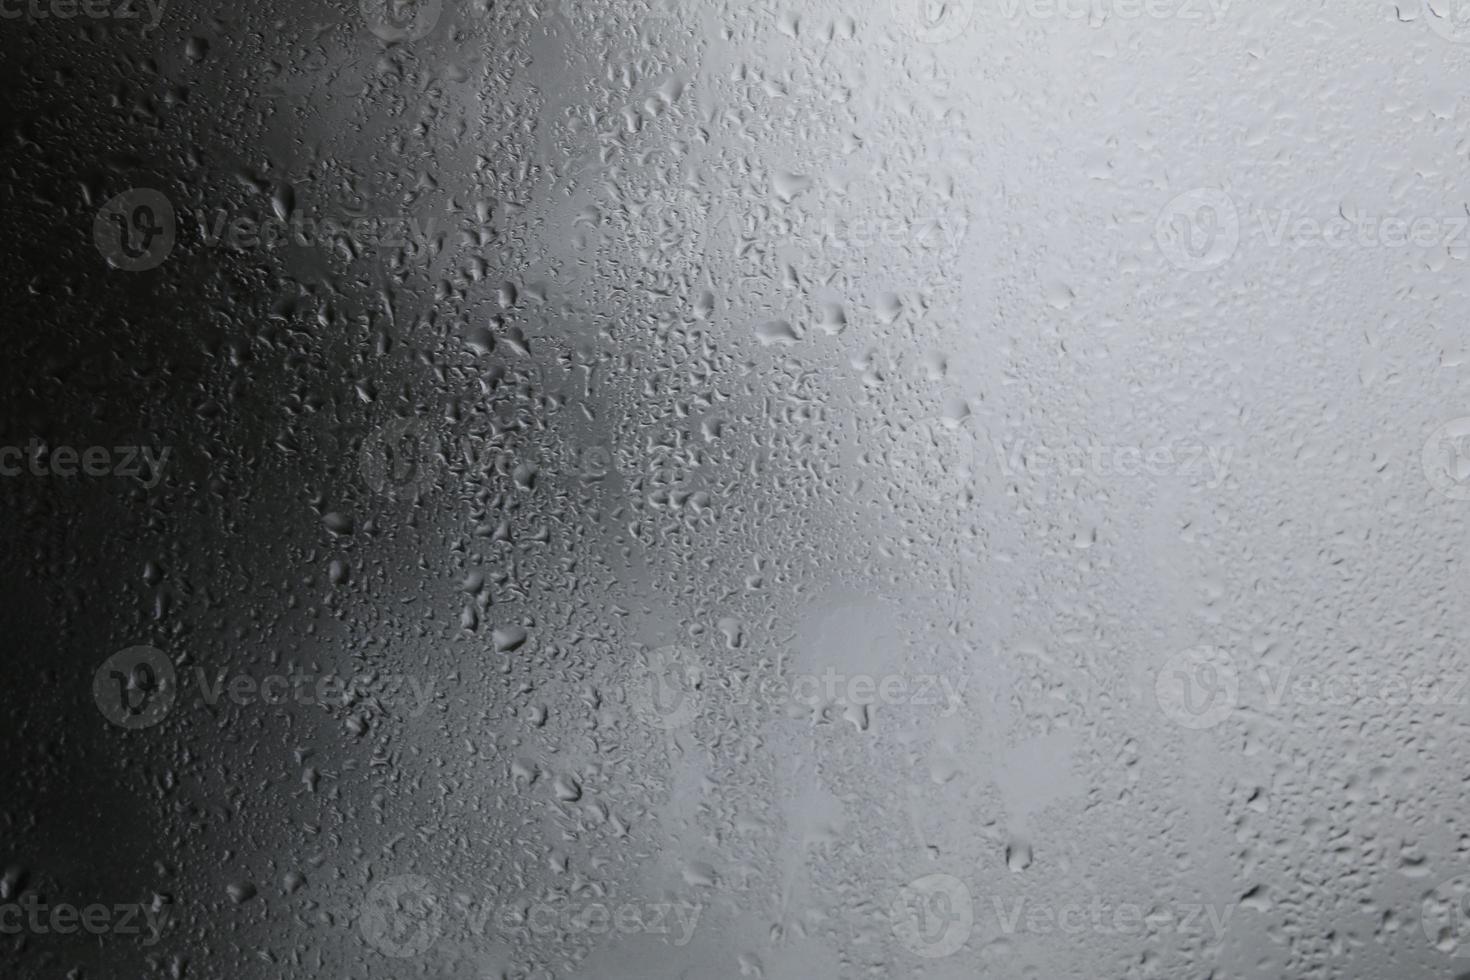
[540,489]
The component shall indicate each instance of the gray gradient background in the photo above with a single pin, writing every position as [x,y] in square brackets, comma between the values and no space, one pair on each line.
[743,344]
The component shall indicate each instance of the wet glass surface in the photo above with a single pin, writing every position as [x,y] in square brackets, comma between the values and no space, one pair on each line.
[696,490]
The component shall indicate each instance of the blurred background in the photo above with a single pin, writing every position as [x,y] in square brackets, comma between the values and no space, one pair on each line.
[538,489]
